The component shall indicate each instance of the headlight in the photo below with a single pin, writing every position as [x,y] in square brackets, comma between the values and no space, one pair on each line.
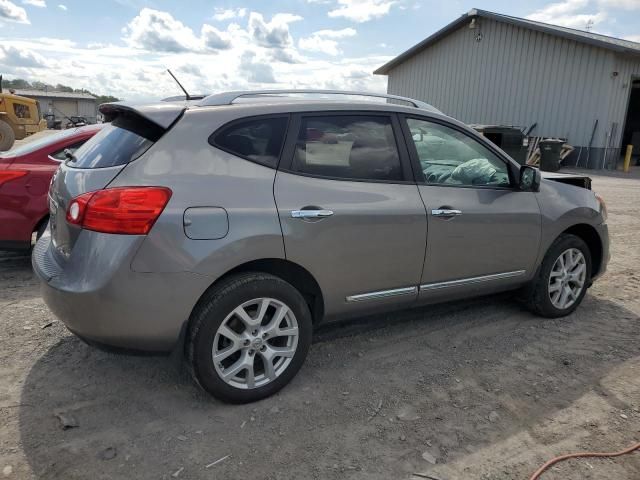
[603,207]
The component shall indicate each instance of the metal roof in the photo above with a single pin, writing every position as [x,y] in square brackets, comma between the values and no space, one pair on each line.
[42,93]
[611,43]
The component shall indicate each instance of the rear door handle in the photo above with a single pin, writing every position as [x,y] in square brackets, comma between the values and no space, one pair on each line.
[445,212]
[311,213]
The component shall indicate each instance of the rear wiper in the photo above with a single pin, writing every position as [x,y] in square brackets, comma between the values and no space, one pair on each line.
[69,155]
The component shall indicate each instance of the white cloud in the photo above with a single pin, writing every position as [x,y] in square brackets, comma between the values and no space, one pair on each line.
[633,38]
[622,4]
[227,14]
[273,34]
[362,10]
[568,14]
[35,3]
[325,41]
[215,39]
[63,7]
[158,31]
[21,58]
[256,71]
[10,12]
[261,53]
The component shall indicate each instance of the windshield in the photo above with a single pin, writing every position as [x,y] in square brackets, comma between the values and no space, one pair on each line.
[33,145]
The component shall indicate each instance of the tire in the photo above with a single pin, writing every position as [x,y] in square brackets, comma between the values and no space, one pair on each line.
[544,290]
[215,327]
[7,137]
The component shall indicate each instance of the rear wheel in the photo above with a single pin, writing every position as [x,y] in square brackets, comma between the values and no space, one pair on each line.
[248,337]
[563,278]
[7,137]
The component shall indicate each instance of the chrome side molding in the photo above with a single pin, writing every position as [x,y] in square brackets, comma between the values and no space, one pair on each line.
[382,294]
[471,280]
[362,297]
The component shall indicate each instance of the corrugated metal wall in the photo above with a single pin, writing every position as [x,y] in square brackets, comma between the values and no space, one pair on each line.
[516,76]
[88,109]
[64,106]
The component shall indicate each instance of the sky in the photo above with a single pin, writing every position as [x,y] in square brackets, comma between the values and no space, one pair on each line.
[123,47]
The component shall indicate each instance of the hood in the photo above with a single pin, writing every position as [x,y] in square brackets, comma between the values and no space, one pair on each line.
[574,179]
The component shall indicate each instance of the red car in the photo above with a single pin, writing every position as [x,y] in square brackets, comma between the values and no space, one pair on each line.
[25,174]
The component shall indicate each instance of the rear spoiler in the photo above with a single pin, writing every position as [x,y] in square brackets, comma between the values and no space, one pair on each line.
[162,114]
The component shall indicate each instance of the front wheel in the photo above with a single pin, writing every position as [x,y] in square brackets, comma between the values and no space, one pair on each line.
[563,278]
[248,337]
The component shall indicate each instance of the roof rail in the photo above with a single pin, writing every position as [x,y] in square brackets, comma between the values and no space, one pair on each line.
[227,98]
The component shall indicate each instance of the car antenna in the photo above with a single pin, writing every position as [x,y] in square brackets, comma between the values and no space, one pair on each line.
[188,97]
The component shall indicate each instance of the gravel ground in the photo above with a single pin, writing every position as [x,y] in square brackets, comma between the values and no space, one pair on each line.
[482,388]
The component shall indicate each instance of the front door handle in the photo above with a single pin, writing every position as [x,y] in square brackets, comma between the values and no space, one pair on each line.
[311,213]
[445,212]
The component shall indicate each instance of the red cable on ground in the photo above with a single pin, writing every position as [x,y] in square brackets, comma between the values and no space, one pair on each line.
[539,472]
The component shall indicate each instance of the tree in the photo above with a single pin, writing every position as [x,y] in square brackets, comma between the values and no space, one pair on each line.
[64,88]
[19,83]
[100,99]
[37,85]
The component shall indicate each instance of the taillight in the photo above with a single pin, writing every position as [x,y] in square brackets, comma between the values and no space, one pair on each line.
[8,175]
[122,210]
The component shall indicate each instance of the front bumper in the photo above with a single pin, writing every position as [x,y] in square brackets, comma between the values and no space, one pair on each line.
[97,296]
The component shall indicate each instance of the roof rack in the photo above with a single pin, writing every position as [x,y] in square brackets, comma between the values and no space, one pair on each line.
[227,98]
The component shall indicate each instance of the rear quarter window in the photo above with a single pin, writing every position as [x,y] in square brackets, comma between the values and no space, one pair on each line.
[257,139]
[119,143]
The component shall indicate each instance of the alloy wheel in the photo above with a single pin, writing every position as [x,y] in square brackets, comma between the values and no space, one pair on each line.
[567,278]
[255,343]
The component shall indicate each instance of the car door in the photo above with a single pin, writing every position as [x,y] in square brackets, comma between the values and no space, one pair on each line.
[350,211]
[483,232]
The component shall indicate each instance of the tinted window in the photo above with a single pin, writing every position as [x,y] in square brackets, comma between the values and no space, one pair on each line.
[60,154]
[121,142]
[450,157]
[259,140]
[349,147]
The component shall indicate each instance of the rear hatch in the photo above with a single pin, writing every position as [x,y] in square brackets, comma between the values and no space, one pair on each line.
[133,131]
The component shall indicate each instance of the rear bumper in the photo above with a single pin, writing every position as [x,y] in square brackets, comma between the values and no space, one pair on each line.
[97,296]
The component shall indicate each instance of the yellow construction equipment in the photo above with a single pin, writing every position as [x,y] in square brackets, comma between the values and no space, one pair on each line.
[19,117]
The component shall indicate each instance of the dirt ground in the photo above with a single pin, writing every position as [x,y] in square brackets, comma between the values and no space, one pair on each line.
[482,388]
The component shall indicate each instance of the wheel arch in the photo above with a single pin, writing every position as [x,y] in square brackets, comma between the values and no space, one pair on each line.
[291,272]
[43,221]
[590,236]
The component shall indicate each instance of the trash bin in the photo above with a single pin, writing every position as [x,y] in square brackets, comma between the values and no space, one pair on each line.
[510,139]
[550,150]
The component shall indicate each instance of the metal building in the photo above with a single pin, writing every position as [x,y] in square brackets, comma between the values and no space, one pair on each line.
[64,104]
[487,68]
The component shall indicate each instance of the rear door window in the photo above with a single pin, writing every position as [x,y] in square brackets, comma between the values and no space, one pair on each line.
[258,139]
[358,147]
[126,139]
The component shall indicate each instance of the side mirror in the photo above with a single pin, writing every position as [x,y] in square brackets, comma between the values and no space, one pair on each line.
[529,179]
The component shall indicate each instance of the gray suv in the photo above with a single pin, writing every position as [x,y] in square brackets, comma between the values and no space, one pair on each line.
[231,226]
